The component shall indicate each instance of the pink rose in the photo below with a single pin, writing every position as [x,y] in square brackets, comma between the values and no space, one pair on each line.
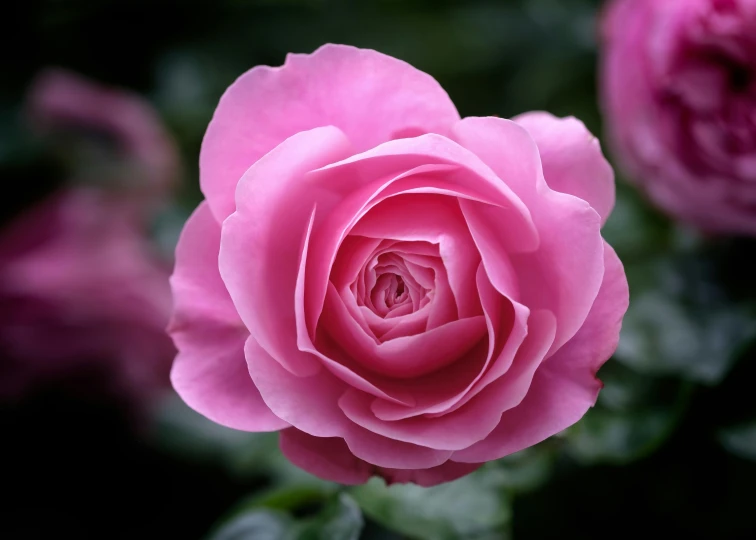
[399,291]
[81,291]
[679,88]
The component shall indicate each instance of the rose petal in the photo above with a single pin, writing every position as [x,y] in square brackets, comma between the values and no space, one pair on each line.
[386,452]
[564,274]
[428,164]
[572,159]
[260,244]
[420,259]
[451,470]
[402,357]
[565,386]
[306,345]
[369,96]
[328,458]
[473,422]
[355,375]
[468,177]
[484,223]
[331,459]
[309,403]
[507,328]
[210,373]
[434,219]
[512,340]
[361,192]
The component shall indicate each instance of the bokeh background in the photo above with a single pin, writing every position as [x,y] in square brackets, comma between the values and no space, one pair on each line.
[670,447]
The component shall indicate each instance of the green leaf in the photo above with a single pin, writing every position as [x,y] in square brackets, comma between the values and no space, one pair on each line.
[339,520]
[289,498]
[603,436]
[471,507]
[634,415]
[271,515]
[682,321]
[258,525]
[526,470]
[740,440]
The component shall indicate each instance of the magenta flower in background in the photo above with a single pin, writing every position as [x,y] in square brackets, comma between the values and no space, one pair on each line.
[131,149]
[81,291]
[401,292]
[679,93]
[81,287]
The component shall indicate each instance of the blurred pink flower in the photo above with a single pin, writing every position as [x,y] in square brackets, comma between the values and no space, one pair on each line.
[80,289]
[679,93]
[140,157]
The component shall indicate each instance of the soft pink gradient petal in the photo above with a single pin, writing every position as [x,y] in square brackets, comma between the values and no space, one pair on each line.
[403,357]
[351,258]
[468,177]
[309,403]
[484,223]
[331,459]
[428,164]
[210,372]
[328,458]
[564,274]
[423,264]
[261,242]
[506,337]
[306,345]
[565,386]
[359,192]
[451,470]
[428,389]
[506,322]
[352,373]
[466,425]
[387,452]
[435,219]
[572,159]
[369,96]
[511,334]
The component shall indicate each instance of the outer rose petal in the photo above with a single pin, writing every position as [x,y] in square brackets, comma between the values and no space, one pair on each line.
[330,458]
[475,420]
[572,159]
[369,96]
[307,403]
[262,241]
[565,386]
[325,457]
[451,470]
[564,274]
[210,373]
[310,404]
